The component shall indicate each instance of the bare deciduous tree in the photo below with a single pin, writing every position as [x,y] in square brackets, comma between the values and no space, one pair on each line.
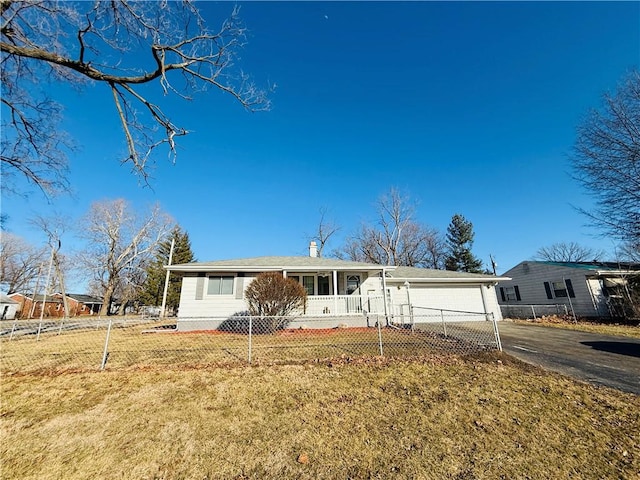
[123,45]
[568,252]
[20,263]
[395,238]
[119,246]
[326,229]
[54,226]
[606,161]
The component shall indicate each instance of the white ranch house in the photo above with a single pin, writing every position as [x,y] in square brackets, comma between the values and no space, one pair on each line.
[588,289]
[339,292]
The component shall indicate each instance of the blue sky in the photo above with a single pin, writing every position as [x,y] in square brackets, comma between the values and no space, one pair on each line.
[468,108]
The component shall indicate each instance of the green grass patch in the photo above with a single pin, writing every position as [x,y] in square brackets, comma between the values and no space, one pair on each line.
[442,416]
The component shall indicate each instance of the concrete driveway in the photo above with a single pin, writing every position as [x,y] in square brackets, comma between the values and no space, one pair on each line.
[598,359]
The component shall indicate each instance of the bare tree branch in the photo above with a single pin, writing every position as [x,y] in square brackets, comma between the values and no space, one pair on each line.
[101,42]
[606,161]
[568,252]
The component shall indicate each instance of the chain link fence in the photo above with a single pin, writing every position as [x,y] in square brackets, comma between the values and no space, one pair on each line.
[533,311]
[126,342]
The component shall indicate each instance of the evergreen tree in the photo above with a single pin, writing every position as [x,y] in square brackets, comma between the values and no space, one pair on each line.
[459,242]
[156,274]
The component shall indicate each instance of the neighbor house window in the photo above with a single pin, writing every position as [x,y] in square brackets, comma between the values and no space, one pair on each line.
[559,289]
[220,286]
[510,294]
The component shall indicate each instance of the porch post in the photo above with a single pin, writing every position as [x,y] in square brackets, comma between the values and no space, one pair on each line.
[335,292]
[384,295]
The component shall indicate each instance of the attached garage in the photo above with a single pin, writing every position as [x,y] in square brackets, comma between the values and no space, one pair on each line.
[431,293]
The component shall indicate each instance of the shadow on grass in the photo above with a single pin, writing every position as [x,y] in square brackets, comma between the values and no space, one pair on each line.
[239,323]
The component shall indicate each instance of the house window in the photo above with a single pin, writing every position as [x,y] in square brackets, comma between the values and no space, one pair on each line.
[220,286]
[307,283]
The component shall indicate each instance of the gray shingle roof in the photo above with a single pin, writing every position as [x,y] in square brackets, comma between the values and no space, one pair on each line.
[277,263]
[79,297]
[314,263]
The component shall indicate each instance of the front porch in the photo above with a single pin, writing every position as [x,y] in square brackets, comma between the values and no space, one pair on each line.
[344,305]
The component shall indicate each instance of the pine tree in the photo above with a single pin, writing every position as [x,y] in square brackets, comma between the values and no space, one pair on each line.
[156,274]
[459,242]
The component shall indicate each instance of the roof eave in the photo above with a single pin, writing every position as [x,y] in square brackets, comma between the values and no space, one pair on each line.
[489,280]
[271,268]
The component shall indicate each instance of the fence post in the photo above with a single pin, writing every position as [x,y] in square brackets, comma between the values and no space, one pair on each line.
[105,354]
[496,332]
[379,335]
[444,325]
[13,328]
[250,337]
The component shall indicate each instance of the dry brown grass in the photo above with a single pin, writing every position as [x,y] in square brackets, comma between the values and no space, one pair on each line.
[129,346]
[486,416]
[584,326]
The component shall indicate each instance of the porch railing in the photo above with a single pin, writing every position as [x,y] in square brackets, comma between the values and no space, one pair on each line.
[318,305]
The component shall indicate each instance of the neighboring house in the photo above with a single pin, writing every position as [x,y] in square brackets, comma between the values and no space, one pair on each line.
[31,306]
[80,304]
[338,291]
[588,289]
[8,307]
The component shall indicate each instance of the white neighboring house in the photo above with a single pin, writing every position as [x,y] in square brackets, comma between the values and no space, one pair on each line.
[339,292]
[8,307]
[590,289]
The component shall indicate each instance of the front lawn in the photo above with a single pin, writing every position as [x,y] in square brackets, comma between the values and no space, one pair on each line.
[483,416]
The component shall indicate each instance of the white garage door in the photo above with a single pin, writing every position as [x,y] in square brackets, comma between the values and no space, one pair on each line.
[427,301]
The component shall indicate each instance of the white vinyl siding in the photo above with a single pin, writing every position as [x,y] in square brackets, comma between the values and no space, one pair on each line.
[547,284]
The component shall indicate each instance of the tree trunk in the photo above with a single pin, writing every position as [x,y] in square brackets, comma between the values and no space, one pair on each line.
[108,295]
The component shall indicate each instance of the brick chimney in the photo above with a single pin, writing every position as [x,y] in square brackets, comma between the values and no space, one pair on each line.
[313,249]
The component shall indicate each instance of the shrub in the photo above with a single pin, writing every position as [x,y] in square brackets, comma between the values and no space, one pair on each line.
[271,295]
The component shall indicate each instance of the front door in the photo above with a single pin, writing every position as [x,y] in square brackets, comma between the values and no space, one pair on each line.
[353,283]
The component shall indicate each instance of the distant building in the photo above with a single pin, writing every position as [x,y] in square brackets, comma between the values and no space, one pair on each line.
[80,304]
[8,307]
[589,289]
[31,306]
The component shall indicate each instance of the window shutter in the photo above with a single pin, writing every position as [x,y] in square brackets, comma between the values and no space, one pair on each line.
[547,289]
[502,294]
[199,286]
[517,292]
[570,291]
[239,288]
